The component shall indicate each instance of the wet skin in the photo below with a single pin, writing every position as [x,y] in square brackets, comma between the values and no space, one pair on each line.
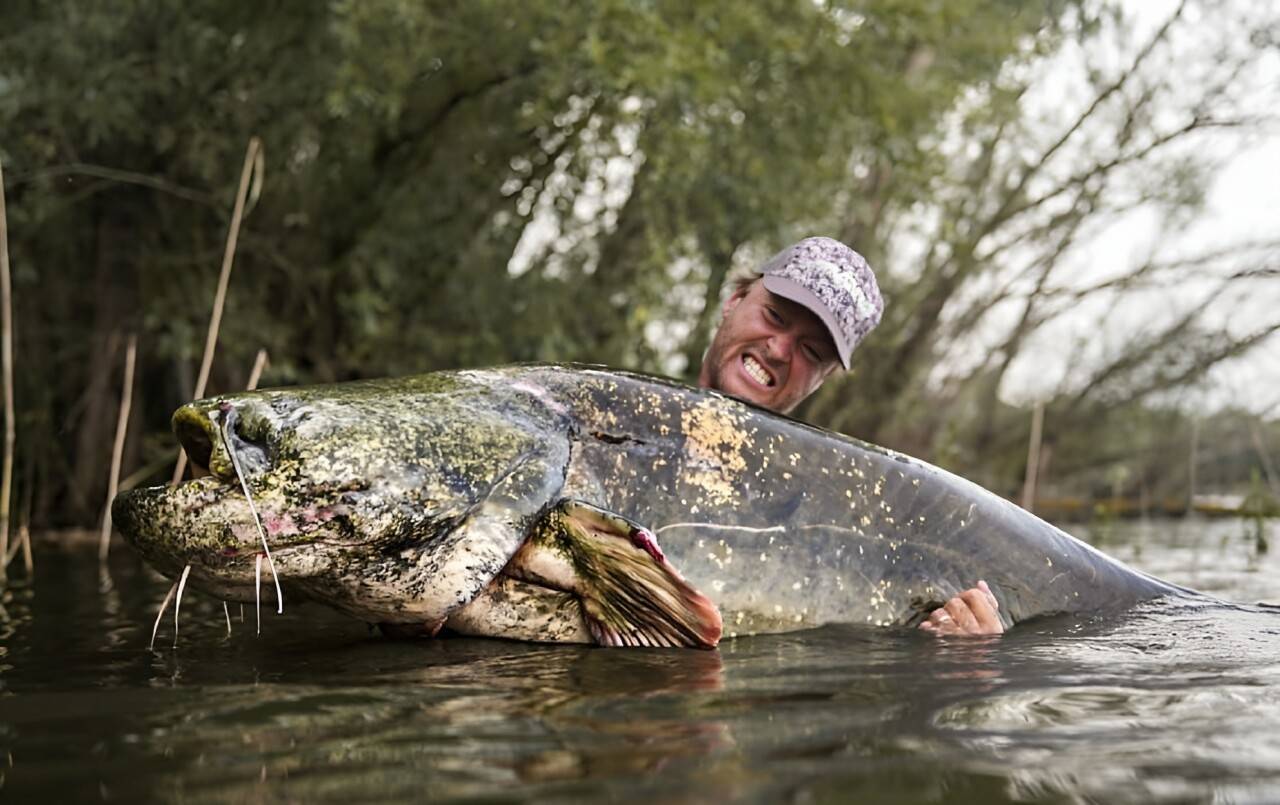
[972,612]
[774,352]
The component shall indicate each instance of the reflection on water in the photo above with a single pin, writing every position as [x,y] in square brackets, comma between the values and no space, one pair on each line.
[1171,702]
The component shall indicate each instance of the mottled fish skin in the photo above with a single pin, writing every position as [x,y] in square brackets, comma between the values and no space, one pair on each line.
[402,500]
[393,500]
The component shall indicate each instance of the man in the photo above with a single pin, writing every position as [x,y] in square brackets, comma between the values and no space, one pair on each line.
[786,330]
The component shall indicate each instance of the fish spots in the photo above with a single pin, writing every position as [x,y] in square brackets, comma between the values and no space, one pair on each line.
[878,600]
[722,555]
[714,451]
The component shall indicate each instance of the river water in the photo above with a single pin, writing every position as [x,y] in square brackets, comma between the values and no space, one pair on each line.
[1166,703]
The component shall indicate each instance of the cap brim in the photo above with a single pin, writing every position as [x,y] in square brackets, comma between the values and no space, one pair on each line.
[790,289]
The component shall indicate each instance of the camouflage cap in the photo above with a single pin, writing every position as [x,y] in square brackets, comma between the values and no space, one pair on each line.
[834,282]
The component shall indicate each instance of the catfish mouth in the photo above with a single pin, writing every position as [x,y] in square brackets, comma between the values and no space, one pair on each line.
[207,434]
[234,451]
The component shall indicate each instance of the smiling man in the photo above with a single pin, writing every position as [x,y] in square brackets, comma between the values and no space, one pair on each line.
[787,329]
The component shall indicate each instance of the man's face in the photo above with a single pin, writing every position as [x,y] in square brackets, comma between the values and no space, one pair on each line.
[769,350]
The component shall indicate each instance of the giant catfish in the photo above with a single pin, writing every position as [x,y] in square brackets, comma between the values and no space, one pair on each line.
[571,503]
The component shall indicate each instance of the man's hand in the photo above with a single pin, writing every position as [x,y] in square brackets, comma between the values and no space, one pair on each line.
[972,612]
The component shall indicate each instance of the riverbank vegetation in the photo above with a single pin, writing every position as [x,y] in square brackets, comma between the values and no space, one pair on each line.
[452,184]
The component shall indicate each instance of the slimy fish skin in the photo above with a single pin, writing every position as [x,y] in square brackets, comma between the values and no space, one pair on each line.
[578,504]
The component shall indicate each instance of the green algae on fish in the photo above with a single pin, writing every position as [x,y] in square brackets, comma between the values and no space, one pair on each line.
[569,503]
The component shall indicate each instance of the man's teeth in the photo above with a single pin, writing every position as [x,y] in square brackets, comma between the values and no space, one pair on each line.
[756,371]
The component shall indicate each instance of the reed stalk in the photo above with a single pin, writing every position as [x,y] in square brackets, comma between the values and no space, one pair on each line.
[250,177]
[21,545]
[6,367]
[28,564]
[24,522]
[1268,469]
[13,552]
[117,449]
[259,364]
[1193,463]
[1033,459]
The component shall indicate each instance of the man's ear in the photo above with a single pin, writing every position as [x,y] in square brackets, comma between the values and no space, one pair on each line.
[733,300]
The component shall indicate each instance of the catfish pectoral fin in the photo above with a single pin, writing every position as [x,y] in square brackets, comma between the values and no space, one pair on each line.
[631,600]
[630,594]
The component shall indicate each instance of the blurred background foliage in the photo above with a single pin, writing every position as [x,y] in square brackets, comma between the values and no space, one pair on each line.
[475,182]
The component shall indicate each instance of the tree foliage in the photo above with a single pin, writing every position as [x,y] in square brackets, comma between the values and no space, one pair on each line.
[1118,126]
[458,183]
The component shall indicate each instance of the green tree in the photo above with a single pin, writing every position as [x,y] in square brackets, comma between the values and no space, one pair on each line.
[447,183]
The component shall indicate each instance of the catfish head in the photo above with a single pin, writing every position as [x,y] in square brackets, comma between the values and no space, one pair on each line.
[363,491]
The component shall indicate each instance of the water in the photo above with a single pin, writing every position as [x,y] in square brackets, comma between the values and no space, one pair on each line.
[1167,703]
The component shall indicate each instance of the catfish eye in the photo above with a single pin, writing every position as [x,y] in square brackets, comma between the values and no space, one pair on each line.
[247,434]
[252,429]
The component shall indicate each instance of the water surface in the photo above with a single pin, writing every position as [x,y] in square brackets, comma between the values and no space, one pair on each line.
[1166,703]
